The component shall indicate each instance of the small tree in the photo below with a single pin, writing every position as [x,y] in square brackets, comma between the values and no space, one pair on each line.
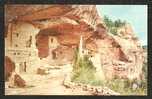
[113,25]
[108,22]
[84,71]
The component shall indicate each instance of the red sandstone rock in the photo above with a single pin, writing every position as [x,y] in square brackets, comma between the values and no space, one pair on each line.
[19,82]
[16,80]
[42,45]
[9,67]
[122,48]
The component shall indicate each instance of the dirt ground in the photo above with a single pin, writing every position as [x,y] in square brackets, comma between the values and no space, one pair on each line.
[51,84]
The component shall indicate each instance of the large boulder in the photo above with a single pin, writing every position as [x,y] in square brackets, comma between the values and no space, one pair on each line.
[16,81]
[9,67]
[19,82]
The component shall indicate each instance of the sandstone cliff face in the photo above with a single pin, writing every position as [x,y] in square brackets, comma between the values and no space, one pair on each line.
[120,55]
[87,13]
[38,12]
[132,49]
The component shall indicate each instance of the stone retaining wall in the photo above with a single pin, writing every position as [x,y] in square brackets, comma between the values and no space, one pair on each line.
[94,90]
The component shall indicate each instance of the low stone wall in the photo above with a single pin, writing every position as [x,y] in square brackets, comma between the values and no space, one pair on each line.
[94,90]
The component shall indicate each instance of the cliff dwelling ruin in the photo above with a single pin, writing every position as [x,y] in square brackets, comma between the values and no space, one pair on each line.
[46,35]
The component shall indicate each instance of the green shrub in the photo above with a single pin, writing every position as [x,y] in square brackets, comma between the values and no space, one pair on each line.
[84,71]
[113,30]
[124,87]
[109,23]
[113,25]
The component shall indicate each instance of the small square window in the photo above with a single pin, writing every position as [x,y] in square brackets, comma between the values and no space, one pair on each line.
[17,34]
[51,40]
[16,45]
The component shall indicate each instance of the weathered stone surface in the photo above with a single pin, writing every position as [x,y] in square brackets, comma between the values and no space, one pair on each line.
[91,89]
[9,67]
[73,21]
[16,81]
[19,82]
[42,45]
[41,71]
